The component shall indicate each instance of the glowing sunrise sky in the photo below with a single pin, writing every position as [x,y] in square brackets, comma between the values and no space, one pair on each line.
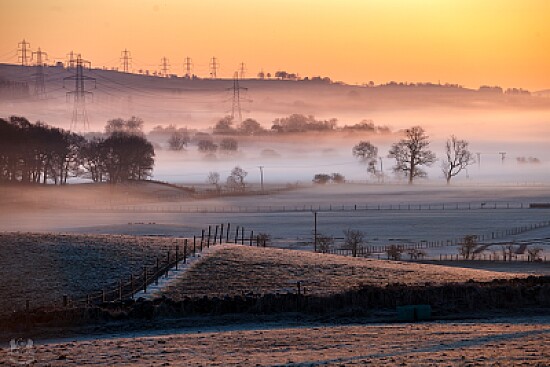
[469,42]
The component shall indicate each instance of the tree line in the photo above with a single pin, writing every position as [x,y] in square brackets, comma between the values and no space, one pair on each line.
[39,153]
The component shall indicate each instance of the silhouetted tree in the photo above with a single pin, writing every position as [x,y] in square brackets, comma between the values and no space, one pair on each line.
[207,146]
[367,154]
[128,157]
[224,126]
[457,157]
[235,180]
[229,145]
[467,247]
[132,126]
[411,153]
[214,179]
[353,239]
[321,178]
[251,127]
[178,140]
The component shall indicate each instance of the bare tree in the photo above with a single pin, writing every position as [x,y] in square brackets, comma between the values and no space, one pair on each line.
[214,179]
[367,154]
[353,240]
[467,247]
[507,251]
[394,252]
[534,253]
[411,153]
[458,157]
[178,140]
[416,254]
[236,179]
[324,243]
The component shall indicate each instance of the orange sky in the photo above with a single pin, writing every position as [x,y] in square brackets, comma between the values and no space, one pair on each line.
[469,42]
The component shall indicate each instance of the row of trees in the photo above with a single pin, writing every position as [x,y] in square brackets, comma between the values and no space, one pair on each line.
[295,123]
[412,153]
[38,153]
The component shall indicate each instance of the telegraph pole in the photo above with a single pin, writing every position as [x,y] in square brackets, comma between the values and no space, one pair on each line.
[315,231]
[39,84]
[214,66]
[23,52]
[188,65]
[165,66]
[261,177]
[126,59]
[502,156]
[79,94]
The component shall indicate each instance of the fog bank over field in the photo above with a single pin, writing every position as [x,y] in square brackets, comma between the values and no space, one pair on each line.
[517,124]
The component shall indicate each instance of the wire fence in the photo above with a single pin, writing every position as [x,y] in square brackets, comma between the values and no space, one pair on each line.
[320,208]
[379,251]
[182,251]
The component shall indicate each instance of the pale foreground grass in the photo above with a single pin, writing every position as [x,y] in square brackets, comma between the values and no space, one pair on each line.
[42,268]
[427,344]
[242,269]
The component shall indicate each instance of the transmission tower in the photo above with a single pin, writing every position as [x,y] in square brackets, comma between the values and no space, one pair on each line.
[79,94]
[188,65]
[214,66]
[39,84]
[236,106]
[242,70]
[70,60]
[165,67]
[23,49]
[126,59]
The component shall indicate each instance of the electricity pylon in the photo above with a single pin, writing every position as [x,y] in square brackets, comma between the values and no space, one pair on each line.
[242,70]
[23,49]
[79,94]
[236,105]
[214,66]
[126,59]
[164,66]
[188,66]
[39,84]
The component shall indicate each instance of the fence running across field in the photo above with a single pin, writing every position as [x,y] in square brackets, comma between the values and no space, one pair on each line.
[184,248]
[315,208]
[365,251]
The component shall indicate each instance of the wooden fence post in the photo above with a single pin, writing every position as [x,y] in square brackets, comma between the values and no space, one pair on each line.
[202,238]
[177,255]
[227,233]
[242,236]
[184,252]
[221,233]
[251,237]
[145,278]
[215,236]
[236,235]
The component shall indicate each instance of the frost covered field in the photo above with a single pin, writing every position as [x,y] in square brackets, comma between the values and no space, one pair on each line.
[235,270]
[515,342]
[42,268]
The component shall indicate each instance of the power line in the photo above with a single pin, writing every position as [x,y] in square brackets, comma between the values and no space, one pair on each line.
[23,49]
[126,60]
[214,66]
[79,94]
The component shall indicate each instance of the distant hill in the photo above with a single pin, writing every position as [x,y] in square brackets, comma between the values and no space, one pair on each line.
[200,102]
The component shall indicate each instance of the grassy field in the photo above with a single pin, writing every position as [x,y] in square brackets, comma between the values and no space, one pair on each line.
[43,268]
[478,343]
[237,269]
